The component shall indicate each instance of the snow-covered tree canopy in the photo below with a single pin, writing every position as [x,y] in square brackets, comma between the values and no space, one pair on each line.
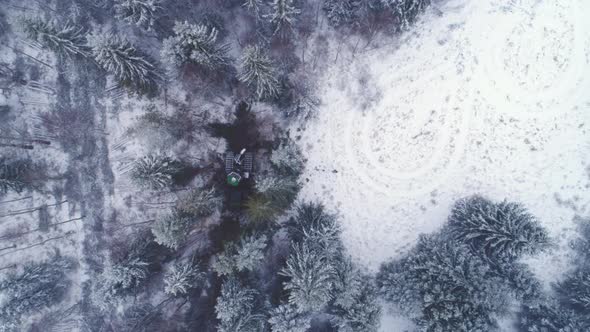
[282,16]
[258,72]
[182,277]
[286,318]
[243,256]
[155,171]
[118,57]
[172,230]
[142,13]
[237,309]
[12,175]
[198,44]
[310,281]
[406,11]
[502,231]
[65,40]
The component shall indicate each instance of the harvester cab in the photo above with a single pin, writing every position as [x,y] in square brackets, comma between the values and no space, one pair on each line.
[238,166]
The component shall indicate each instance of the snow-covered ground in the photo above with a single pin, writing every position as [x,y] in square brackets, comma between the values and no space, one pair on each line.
[483,96]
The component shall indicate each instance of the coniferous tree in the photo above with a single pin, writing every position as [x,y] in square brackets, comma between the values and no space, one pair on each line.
[282,16]
[316,228]
[118,280]
[258,72]
[121,59]
[449,287]
[155,171]
[38,286]
[237,309]
[406,11]
[280,191]
[199,202]
[260,209]
[66,40]
[286,318]
[355,301]
[243,256]
[172,230]
[197,44]
[254,6]
[310,281]
[545,318]
[341,12]
[574,292]
[182,277]
[13,176]
[501,231]
[287,159]
[142,13]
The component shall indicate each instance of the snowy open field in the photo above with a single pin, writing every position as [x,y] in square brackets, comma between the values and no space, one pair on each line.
[486,96]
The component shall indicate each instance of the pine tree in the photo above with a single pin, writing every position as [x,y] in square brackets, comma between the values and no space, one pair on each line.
[341,12]
[281,192]
[237,309]
[574,292]
[199,202]
[117,280]
[66,40]
[243,256]
[520,279]
[545,318]
[287,159]
[282,16]
[260,209]
[317,229]
[258,72]
[155,171]
[38,286]
[197,44]
[182,277]
[355,302]
[121,59]
[451,288]
[13,175]
[286,318]
[310,279]
[406,11]
[142,13]
[502,231]
[172,230]
[254,6]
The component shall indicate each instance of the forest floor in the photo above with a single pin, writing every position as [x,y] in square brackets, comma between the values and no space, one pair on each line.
[481,97]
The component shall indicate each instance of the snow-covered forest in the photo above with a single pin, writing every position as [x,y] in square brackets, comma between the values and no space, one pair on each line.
[294,165]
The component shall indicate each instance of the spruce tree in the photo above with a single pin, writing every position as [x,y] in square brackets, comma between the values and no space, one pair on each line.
[280,191]
[237,309]
[500,231]
[13,175]
[38,286]
[310,279]
[199,202]
[121,59]
[406,11]
[242,256]
[65,40]
[142,13]
[449,287]
[258,72]
[574,292]
[341,12]
[254,6]
[287,159]
[286,318]
[118,280]
[355,301]
[260,209]
[182,277]
[172,230]
[197,44]
[155,171]
[282,16]
[316,228]
[547,318]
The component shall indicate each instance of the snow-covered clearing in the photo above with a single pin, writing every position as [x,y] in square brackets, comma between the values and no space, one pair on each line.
[485,96]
